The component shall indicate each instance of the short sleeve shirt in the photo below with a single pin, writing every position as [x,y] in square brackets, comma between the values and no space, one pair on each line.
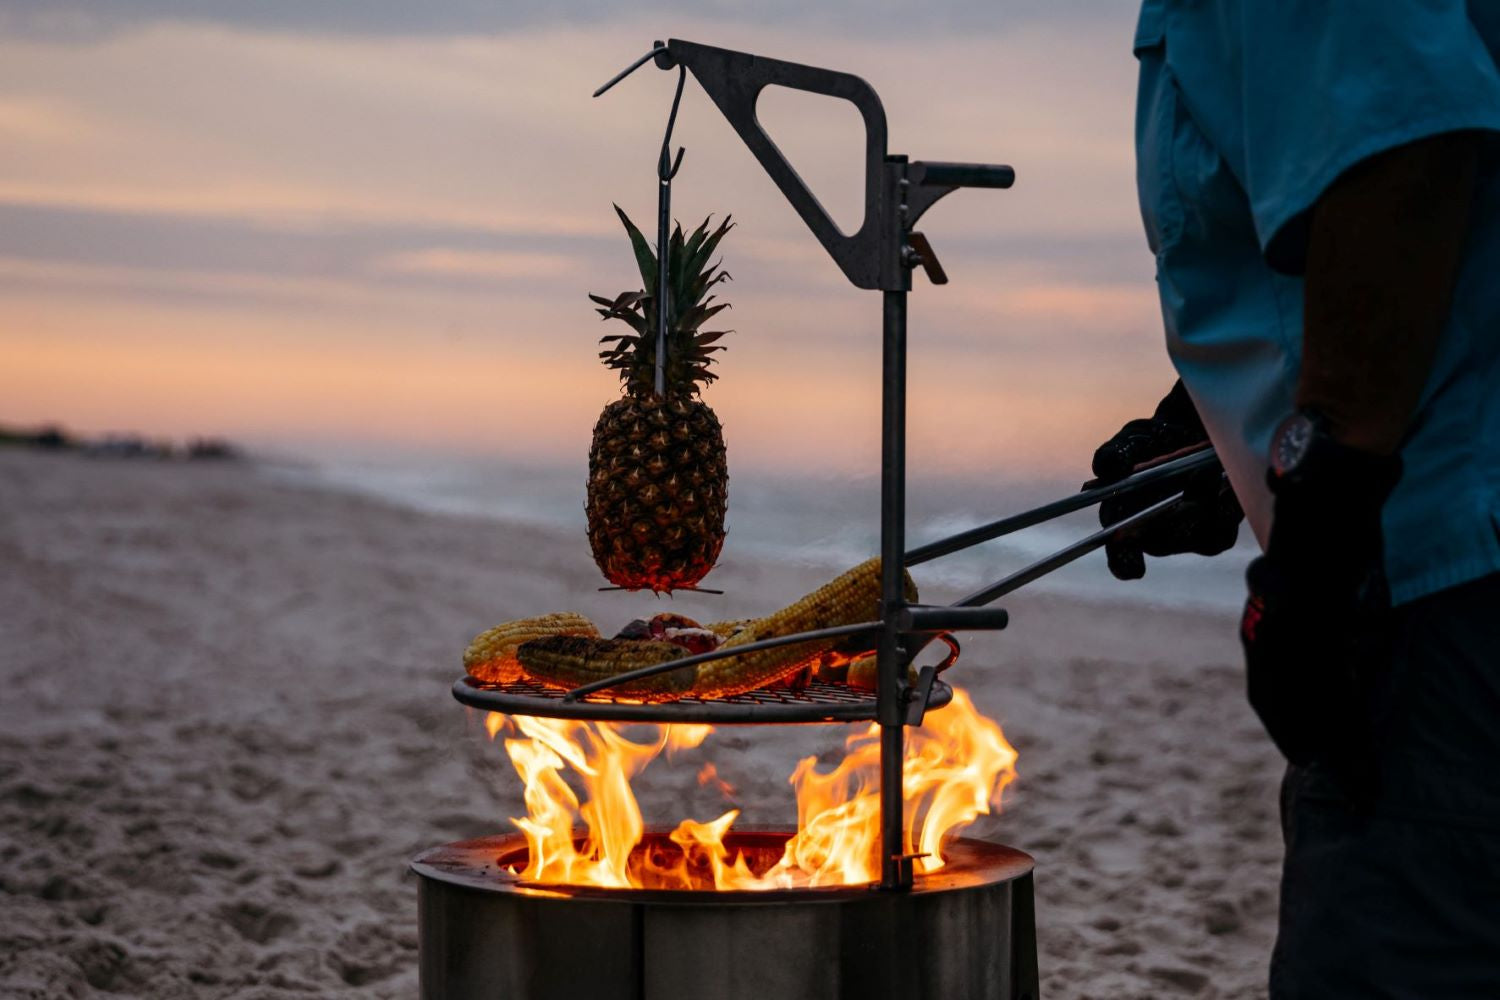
[1247,111]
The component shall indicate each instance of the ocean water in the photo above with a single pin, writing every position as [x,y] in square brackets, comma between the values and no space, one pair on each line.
[825,521]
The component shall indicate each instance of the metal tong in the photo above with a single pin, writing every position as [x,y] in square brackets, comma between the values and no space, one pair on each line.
[931,621]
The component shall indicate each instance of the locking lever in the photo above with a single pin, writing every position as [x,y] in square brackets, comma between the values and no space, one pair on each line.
[919,253]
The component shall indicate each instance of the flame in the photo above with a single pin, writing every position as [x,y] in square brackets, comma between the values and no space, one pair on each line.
[709,773]
[957,765]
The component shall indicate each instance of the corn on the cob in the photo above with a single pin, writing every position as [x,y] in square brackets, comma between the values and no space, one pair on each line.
[729,629]
[565,650]
[568,661]
[863,674]
[848,599]
[491,656]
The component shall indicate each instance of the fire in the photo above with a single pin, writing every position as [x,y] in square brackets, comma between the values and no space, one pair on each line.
[958,763]
[708,773]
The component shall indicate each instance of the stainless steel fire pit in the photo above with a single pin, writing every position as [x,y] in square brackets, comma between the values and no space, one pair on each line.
[965,932]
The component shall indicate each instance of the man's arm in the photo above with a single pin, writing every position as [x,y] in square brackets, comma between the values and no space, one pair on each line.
[1383,253]
[1384,248]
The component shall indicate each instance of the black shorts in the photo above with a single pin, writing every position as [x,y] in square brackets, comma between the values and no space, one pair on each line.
[1404,902]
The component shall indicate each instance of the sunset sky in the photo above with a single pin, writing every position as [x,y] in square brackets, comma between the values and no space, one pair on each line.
[364,227]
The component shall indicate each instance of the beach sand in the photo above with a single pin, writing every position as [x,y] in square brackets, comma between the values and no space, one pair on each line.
[226,728]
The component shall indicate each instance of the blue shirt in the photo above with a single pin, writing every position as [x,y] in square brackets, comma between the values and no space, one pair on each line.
[1248,110]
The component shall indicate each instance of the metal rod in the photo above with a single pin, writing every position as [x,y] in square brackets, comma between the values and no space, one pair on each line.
[665,171]
[1062,557]
[1057,508]
[663,221]
[630,69]
[895,868]
[722,653]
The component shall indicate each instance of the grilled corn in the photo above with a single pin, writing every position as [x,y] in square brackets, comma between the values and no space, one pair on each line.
[568,661]
[565,650]
[491,656]
[846,600]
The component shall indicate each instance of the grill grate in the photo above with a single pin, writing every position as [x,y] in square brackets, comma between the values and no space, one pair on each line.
[819,701]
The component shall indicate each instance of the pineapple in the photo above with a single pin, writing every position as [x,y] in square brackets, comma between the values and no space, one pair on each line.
[658,481]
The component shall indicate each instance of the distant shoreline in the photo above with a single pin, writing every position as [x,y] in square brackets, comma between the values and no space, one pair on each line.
[55,437]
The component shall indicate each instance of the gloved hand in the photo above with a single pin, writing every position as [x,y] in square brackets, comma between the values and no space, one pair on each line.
[1315,626]
[1207,519]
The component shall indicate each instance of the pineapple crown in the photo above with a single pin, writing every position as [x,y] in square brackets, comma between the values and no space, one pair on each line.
[690,277]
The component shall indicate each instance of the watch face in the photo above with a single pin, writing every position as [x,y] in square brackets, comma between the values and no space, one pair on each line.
[1290,445]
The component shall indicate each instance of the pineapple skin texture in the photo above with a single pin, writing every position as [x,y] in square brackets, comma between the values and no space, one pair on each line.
[657,492]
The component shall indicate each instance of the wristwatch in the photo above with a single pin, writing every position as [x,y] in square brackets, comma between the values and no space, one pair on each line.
[1304,453]
[1294,442]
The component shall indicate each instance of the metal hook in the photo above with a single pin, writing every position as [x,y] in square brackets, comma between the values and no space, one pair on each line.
[666,168]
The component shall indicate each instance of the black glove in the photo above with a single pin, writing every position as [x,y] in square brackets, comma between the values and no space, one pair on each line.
[1207,519]
[1316,624]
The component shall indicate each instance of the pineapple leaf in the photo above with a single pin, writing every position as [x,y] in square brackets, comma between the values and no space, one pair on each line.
[675,257]
[690,278]
[627,300]
[706,248]
[690,250]
[700,287]
[632,319]
[645,257]
[698,315]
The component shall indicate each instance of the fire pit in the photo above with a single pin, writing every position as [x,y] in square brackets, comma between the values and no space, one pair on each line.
[872,896]
[965,931]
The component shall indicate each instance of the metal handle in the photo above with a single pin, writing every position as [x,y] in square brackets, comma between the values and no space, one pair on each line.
[976,175]
[946,619]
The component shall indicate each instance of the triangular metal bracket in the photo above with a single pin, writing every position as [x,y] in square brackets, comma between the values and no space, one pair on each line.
[871,257]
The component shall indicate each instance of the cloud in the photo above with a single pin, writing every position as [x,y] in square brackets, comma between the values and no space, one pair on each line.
[499,134]
[486,265]
[33,120]
[90,19]
[377,233]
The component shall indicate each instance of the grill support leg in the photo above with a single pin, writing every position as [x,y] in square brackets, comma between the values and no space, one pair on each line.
[896,868]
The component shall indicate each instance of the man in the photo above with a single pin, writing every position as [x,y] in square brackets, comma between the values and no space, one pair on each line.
[1319,185]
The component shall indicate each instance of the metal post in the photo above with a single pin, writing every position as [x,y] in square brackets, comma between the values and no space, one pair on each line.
[663,239]
[896,868]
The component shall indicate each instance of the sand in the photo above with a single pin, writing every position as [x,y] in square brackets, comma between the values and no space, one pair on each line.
[226,727]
